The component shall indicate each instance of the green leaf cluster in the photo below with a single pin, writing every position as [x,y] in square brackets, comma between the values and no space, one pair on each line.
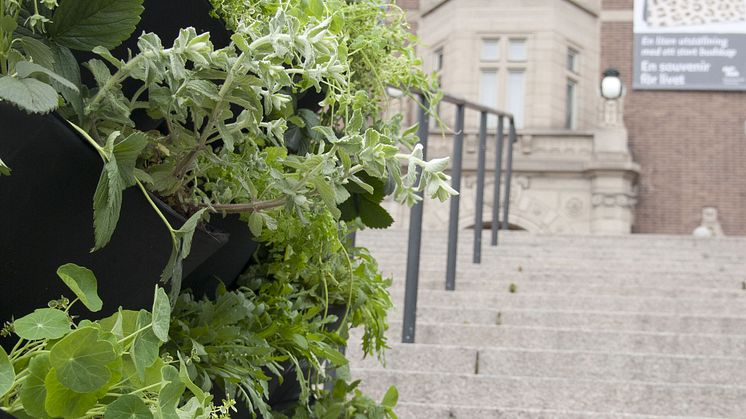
[111,368]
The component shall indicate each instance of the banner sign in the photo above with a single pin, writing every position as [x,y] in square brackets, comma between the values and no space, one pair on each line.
[690,45]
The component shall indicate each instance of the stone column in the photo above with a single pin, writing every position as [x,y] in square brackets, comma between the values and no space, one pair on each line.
[613,174]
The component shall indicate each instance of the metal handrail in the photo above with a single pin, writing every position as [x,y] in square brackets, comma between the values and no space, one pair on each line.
[415,220]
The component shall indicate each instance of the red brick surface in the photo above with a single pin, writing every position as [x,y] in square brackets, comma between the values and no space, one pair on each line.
[691,146]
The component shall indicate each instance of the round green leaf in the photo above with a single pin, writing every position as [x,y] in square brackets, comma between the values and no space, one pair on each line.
[161,314]
[7,373]
[33,392]
[128,407]
[63,402]
[145,347]
[81,360]
[43,323]
[83,283]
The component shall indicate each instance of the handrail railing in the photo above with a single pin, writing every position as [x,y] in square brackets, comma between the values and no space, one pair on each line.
[415,220]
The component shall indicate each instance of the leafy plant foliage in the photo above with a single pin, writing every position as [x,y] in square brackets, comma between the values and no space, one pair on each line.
[284,126]
[110,368]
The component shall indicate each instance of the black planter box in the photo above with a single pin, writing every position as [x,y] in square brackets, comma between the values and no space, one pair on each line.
[227,263]
[46,220]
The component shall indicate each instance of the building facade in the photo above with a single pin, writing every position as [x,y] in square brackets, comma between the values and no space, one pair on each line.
[649,163]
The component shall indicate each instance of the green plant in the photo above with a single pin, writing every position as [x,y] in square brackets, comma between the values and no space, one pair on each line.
[36,38]
[111,368]
[345,401]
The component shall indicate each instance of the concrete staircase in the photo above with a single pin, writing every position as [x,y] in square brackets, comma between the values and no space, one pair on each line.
[567,327]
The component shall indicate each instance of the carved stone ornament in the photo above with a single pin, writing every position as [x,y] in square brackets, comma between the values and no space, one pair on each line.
[621,200]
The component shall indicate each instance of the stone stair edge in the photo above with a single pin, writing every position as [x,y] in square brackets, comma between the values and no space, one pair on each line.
[434,406]
[397,326]
[470,348]
[484,377]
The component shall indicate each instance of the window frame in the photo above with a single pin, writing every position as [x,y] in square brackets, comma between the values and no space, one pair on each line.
[504,66]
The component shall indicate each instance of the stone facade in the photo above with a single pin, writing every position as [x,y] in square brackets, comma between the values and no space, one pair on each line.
[575,177]
[580,177]
[691,145]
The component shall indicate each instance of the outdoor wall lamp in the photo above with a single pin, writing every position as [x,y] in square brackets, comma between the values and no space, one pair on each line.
[611,85]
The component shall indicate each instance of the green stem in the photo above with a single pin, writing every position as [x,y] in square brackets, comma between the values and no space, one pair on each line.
[140,330]
[158,211]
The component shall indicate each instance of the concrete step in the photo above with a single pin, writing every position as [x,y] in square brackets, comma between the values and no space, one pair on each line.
[709,256]
[622,279]
[592,320]
[675,369]
[569,339]
[444,411]
[728,305]
[559,394]
[575,287]
[499,265]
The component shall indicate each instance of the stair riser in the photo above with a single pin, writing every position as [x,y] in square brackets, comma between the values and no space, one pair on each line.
[577,339]
[728,283]
[581,320]
[572,365]
[571,395]
[524,301]
[419,411]
[574,288]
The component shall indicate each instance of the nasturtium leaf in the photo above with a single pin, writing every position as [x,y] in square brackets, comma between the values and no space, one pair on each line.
[83,283]
[43,323]
[107,204]
[7,373]
[145,348]
[161,314]
[29,94]
[83,25]
[33,392]
[81,360]
[128,407]
[122,324]
[63,402]
[170,394]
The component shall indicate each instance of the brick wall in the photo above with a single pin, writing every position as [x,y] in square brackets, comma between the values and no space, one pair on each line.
[617,4]
[691,146]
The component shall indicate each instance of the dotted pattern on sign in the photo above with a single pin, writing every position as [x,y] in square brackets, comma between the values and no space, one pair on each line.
[663,13]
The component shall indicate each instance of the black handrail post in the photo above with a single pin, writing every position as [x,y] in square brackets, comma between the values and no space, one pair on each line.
[498,175]
[480,187]
[458,147]
[509,175]
[415,240]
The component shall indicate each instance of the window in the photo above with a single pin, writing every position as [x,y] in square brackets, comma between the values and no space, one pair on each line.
[502,76]
[571,104]
[516,95]
[517,50]
[490,49]
[572,60]
[438,60]
[488,93]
